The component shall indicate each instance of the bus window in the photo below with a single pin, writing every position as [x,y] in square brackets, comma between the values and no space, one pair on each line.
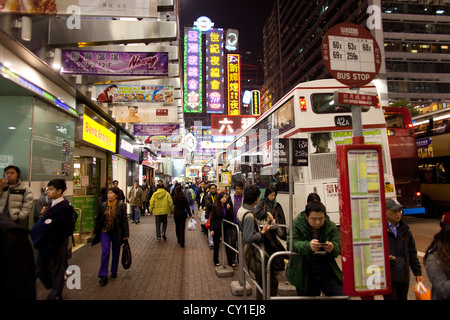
[283,118]
[324,103]
[394,120]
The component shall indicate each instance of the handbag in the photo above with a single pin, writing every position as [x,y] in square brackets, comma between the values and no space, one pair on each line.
[421,292]
[126,255]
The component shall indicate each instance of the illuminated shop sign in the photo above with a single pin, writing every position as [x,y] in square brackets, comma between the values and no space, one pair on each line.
[214,71]
[230,125]
[256,107]
[234,84]
[204,23]
[193,70]
[8,74]
[98,135]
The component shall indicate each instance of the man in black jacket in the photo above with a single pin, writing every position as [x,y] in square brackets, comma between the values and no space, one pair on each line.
[50,237]
[402,252]
[17,272]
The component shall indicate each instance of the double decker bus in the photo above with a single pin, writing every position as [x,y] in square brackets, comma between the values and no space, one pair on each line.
[309,115]
[432,132]
[404,159]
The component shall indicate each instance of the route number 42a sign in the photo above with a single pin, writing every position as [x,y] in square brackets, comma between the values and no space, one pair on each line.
[351,54]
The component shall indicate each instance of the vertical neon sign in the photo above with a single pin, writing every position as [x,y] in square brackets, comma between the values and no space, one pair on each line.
[214,71]
[193,82]
[234,84]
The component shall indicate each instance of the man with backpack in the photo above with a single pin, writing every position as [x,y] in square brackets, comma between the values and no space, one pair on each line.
[50,237]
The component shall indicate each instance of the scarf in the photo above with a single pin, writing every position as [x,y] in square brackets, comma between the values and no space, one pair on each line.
[110,214]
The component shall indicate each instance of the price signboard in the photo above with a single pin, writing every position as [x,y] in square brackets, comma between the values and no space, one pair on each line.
[351,54]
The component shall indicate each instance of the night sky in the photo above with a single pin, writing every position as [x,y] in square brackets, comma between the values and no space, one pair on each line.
[247,16]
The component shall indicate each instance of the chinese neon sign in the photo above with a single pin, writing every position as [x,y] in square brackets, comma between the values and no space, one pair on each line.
[234,84]
[214,71]
[230,125]
[256,108]
[193,70]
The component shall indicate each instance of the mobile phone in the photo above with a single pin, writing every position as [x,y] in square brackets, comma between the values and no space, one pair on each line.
[323,244]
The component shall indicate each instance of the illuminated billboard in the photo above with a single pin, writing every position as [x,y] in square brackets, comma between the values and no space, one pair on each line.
[234,84]
[193,82]
[214,71]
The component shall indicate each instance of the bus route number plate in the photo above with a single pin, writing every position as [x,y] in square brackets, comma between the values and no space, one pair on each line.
[343,121]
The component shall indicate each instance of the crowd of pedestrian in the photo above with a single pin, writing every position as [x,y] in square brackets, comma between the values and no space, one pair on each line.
[316,239]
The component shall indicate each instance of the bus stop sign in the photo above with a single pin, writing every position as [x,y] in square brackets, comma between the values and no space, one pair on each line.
[351,54]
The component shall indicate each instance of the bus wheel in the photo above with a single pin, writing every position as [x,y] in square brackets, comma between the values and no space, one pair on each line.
[430,210]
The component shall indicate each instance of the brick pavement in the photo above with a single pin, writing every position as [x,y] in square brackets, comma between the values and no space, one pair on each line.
[160,270]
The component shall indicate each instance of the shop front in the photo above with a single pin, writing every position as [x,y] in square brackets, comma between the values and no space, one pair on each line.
[95,142]
[125,162]
[149,163]
[37,129]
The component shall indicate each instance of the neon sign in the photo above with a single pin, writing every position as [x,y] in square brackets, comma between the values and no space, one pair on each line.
[214,71]
[193,70]
[234,84]
[230,125]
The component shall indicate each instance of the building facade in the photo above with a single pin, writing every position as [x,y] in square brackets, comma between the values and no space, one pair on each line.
[415,36]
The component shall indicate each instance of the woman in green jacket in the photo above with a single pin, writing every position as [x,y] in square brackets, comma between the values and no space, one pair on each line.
[318,242]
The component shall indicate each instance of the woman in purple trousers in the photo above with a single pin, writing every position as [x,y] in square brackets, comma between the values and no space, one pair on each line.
[111,229]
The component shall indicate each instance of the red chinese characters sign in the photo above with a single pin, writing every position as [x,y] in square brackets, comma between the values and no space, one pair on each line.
[230,125]
[234,84]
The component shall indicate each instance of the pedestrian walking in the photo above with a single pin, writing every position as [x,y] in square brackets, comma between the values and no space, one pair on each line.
[16,197]
[135,197]
[111,229]
[402,252]
[161,204]
[181,212]
[437,262]
[115,183]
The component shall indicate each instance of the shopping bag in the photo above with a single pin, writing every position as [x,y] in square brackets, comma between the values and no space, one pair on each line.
[421,292]
[207,225]
[191,224]
[203,217]
[126,255]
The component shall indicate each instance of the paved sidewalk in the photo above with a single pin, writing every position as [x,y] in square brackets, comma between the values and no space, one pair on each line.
[160,270]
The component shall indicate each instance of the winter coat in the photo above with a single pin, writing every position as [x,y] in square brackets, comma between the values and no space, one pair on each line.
[51,231]
[404,249]
[136,200]
[439,275]
[161,202]
[249,232]
[20,202]
[298,267]
[208,202]
[120,225]
[181,207]
[217,217]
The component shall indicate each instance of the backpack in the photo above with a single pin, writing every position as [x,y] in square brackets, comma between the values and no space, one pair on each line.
[74,218]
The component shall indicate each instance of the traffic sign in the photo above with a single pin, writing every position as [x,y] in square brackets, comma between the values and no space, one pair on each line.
[351,54]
